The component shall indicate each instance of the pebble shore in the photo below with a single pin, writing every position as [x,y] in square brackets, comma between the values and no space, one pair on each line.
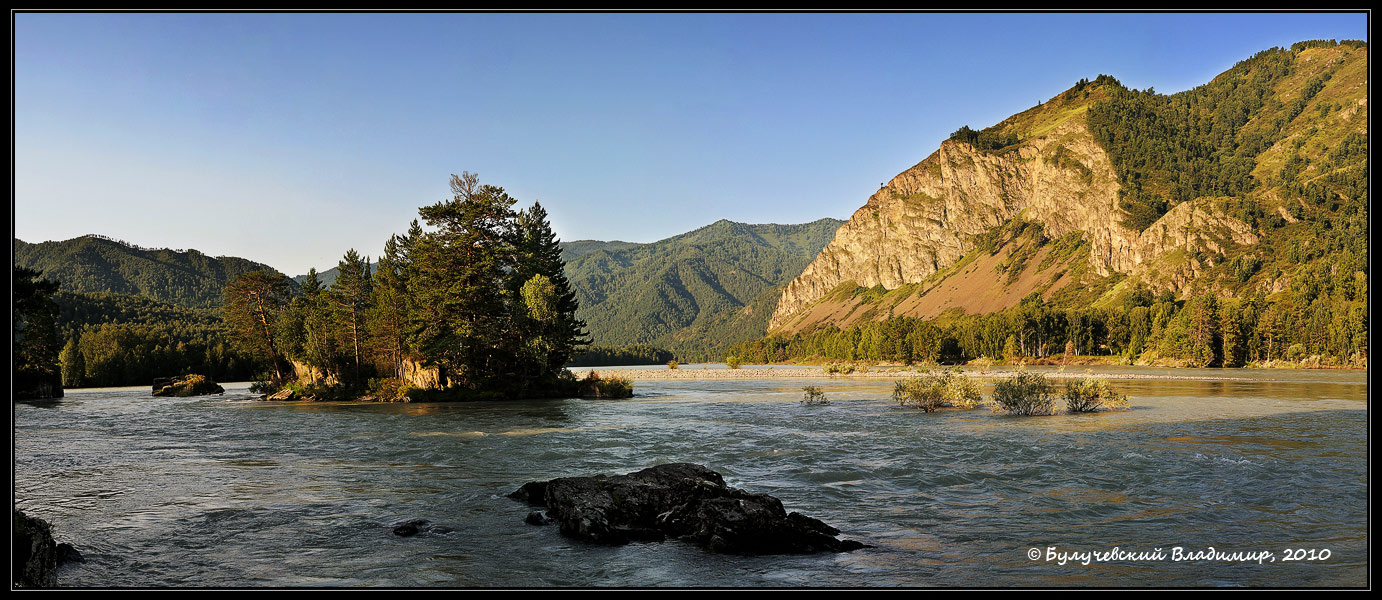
[872,373]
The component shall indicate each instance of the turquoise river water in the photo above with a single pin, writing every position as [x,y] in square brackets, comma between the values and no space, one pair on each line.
[1259,480]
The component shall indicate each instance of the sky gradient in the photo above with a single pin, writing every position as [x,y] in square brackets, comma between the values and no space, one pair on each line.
[291,138]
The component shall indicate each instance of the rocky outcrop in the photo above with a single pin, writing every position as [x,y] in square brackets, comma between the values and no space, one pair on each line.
[679,500]
[186,385]
[36,554]
[932,214]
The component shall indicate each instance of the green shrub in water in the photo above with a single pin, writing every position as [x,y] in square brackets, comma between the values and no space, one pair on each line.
[813,395]
[1092,394]
[1025,393]
[936,390]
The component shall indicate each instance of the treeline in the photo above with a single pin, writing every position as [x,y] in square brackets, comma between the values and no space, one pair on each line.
[480,296]
[637,354]
[1204,331]
[122,340]
[988,140]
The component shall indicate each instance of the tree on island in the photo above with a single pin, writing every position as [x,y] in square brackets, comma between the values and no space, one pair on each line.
[548,321]
[253,302]
[461,317]
[479,294]
[352,295]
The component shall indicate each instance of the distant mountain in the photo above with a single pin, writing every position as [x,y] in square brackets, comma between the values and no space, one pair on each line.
[572,250]
[693,293]
[98,264]
[328,276]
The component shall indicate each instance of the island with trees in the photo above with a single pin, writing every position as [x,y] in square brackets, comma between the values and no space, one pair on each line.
[473,305]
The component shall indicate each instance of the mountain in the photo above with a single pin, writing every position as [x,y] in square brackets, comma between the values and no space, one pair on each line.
[693,293]
[328,276]
[97,264]
[1255,182]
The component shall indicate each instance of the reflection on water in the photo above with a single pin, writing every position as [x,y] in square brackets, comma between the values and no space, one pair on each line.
[227,491]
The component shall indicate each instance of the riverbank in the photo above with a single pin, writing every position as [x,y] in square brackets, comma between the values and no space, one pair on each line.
[654,373]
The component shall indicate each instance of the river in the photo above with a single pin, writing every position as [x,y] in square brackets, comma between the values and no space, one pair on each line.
[226,491]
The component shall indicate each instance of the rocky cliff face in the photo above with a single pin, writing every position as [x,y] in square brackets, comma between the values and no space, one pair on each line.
[930,215]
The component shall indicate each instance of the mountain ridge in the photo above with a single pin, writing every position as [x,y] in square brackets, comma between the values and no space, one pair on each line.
[1071,165]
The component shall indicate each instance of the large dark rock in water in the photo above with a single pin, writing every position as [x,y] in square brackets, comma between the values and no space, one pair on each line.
[186,385]
[679,500]
[35,553]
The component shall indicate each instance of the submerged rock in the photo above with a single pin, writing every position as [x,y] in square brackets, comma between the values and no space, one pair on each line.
[186,385]
[679,500]
[416,526]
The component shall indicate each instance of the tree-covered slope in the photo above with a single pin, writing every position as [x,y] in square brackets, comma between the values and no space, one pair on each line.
[97,264]
[693,293]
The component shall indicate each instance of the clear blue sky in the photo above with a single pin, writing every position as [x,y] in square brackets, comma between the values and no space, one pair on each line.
[290,138]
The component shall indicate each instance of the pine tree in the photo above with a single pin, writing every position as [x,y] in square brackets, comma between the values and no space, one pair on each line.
[1204,333]
[537,253]
[253,302]
[350,296]
[388,320]
[459,284]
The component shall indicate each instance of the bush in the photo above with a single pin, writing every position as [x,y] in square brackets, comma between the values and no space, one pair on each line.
[1092,394]
[936,390]
[390,389]
[838,368]
[813,395]
[594,386]
[672,364]
[1025,393]
[732,362]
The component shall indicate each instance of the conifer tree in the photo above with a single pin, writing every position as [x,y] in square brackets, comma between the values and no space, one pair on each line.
[351,295]
[388,320]
[537,253]
[253,302]
[461,315]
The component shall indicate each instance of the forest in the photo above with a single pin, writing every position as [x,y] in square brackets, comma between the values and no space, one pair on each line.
[1328,329]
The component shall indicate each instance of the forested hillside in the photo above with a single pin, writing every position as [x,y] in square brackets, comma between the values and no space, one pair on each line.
[694,293]
[95,263]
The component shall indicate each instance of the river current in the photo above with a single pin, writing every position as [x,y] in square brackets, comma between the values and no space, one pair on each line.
[1259,480]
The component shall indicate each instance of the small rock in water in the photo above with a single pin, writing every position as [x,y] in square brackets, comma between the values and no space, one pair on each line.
[416,526]
[535,518]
